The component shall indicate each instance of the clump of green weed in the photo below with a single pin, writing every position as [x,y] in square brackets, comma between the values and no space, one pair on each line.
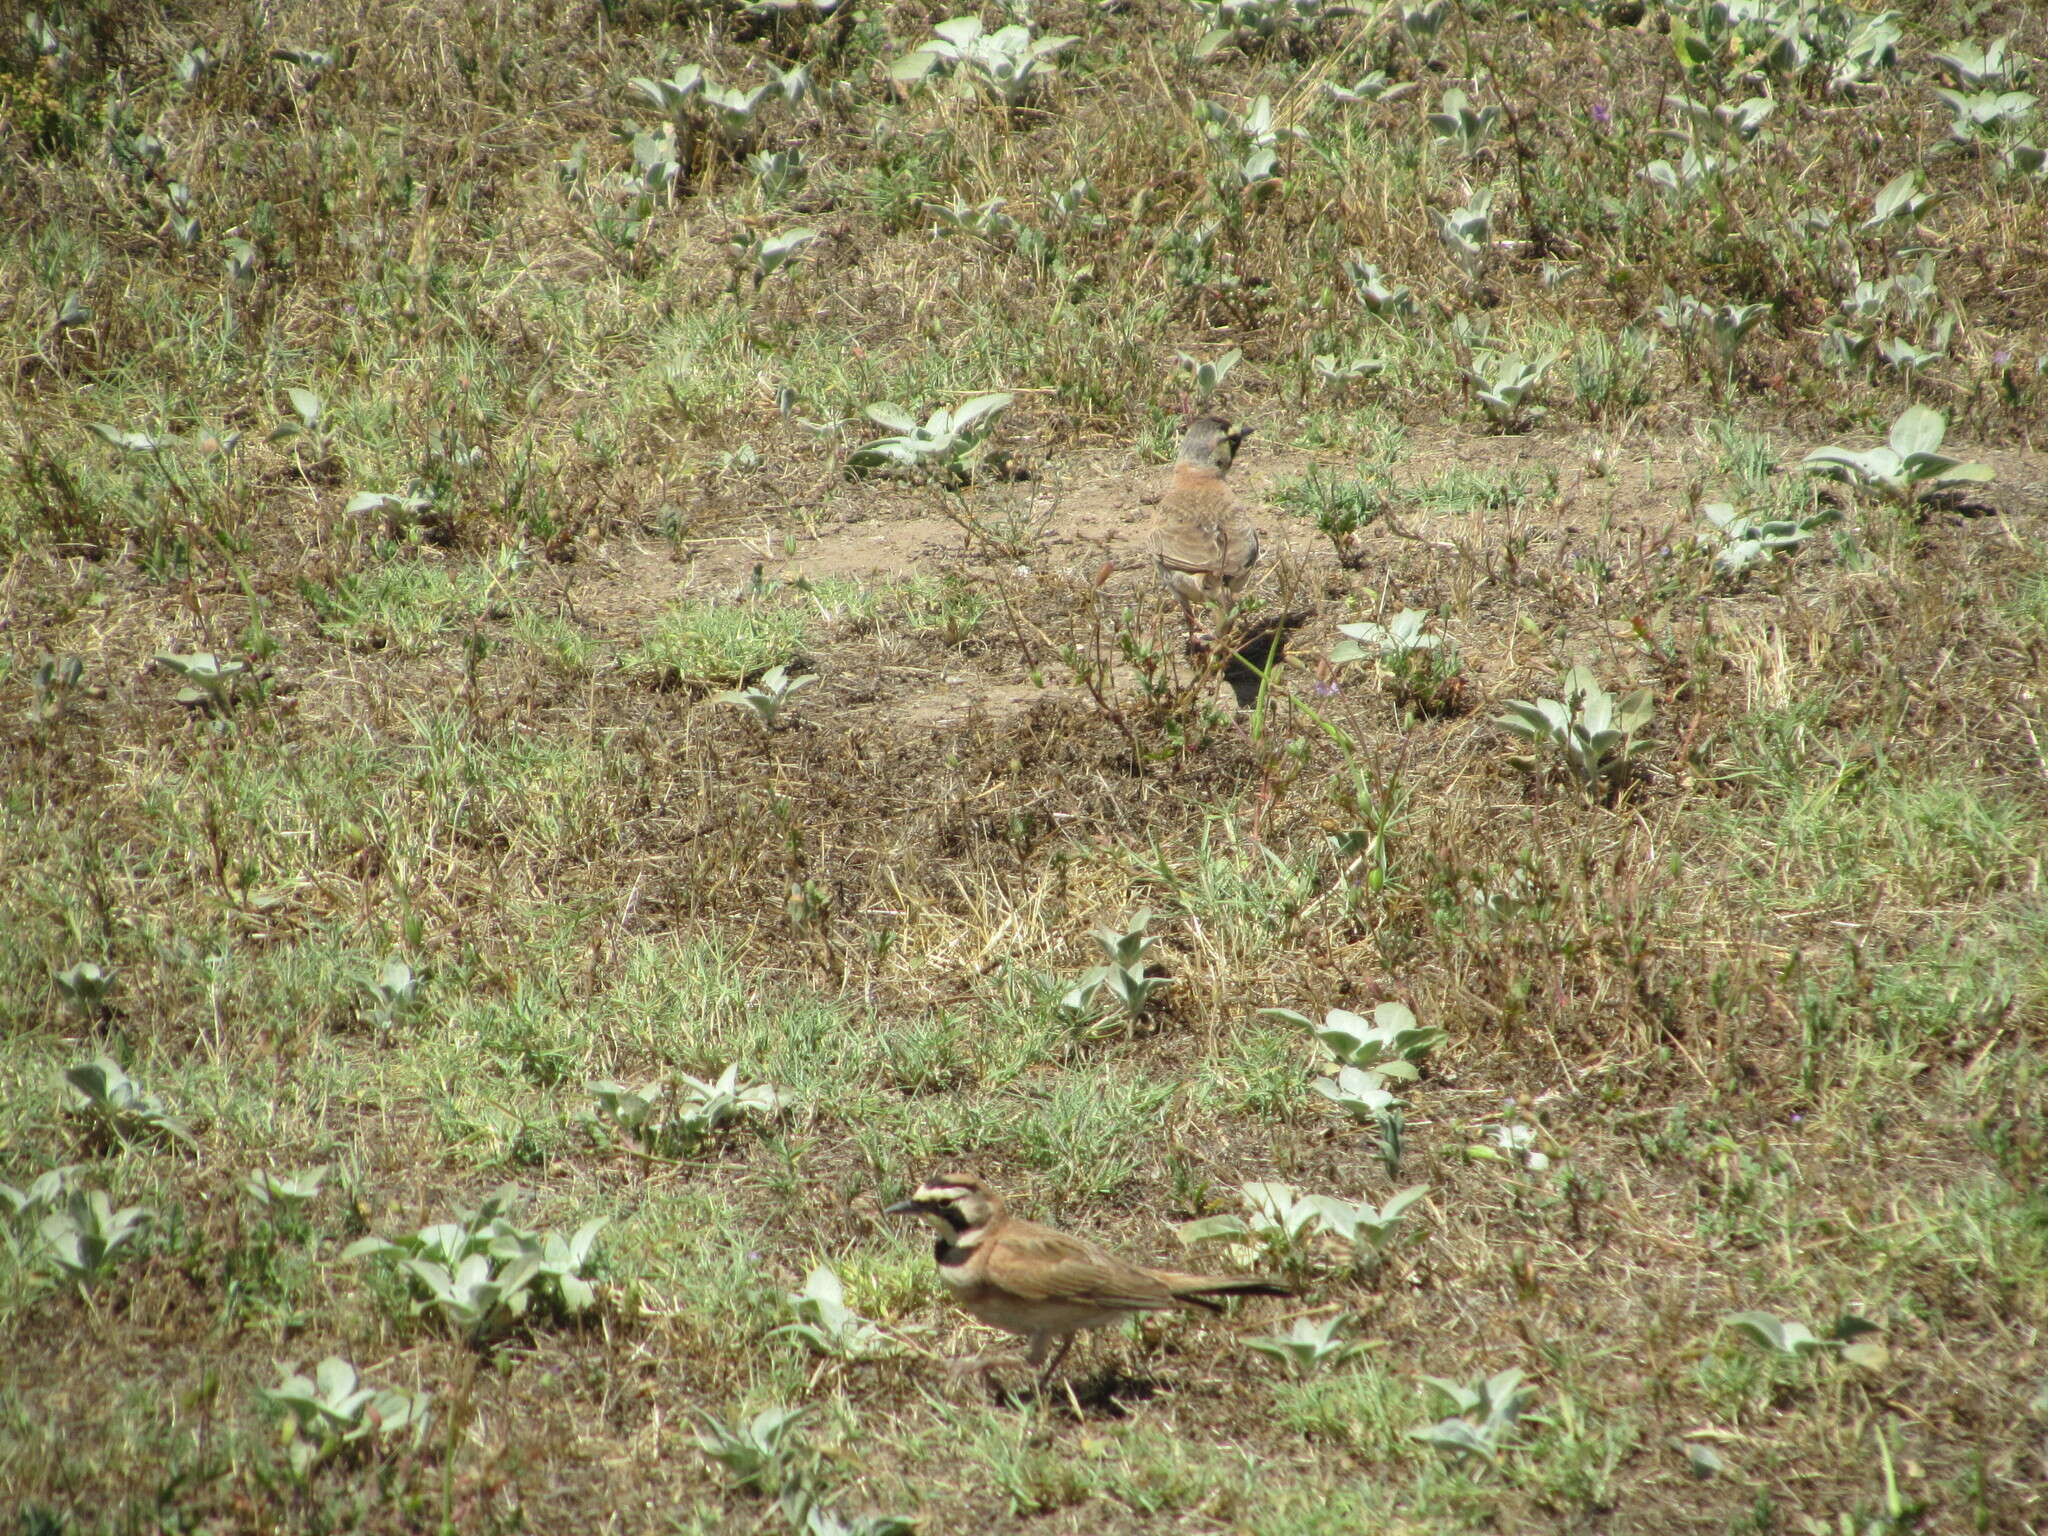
[703,645]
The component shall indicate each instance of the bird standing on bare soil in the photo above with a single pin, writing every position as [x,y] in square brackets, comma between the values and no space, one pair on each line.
[1030,1280]
[1203,544]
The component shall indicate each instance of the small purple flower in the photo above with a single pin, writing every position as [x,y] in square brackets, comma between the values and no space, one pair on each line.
[1602,114]
[2001,357]
[1324,688]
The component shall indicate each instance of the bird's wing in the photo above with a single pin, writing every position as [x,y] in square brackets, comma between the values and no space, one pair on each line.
[1239,550]
[1204,533]
[1188,548]
[1038,1264]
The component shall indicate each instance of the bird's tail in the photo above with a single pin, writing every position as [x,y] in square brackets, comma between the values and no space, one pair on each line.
[1198,1289]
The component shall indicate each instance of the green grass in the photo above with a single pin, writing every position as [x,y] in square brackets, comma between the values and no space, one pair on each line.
[1773,1011]
[406,604]
[720,643]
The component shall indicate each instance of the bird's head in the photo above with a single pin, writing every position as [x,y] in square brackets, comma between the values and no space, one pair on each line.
[1211,443]
[958,1204]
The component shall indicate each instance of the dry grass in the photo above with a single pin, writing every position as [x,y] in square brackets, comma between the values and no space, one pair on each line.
[1773,1008]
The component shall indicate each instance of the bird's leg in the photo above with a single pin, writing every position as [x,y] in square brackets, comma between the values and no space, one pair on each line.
[1223,604]
[1052,1365]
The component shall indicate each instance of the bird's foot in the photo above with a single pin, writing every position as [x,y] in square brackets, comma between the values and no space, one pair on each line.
[980,1366]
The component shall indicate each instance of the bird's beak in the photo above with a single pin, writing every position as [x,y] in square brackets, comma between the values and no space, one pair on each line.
[902,1208]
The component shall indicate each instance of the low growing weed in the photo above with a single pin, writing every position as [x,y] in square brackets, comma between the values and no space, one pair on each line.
[482,1272]
[945,447]
[119,1109]
[1484,1417]
[1123,977]
[827,1324]
[767,697]
[330,1414]
[1746,541]
[677,1119]
[1282,1225]
[84,1235]
[1310,1347]
[1421,670]
[1910,464]
[1588,733]
[1342,508]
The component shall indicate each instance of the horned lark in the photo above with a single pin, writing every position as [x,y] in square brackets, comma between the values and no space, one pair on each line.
[1027,1279]
[1203,544]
